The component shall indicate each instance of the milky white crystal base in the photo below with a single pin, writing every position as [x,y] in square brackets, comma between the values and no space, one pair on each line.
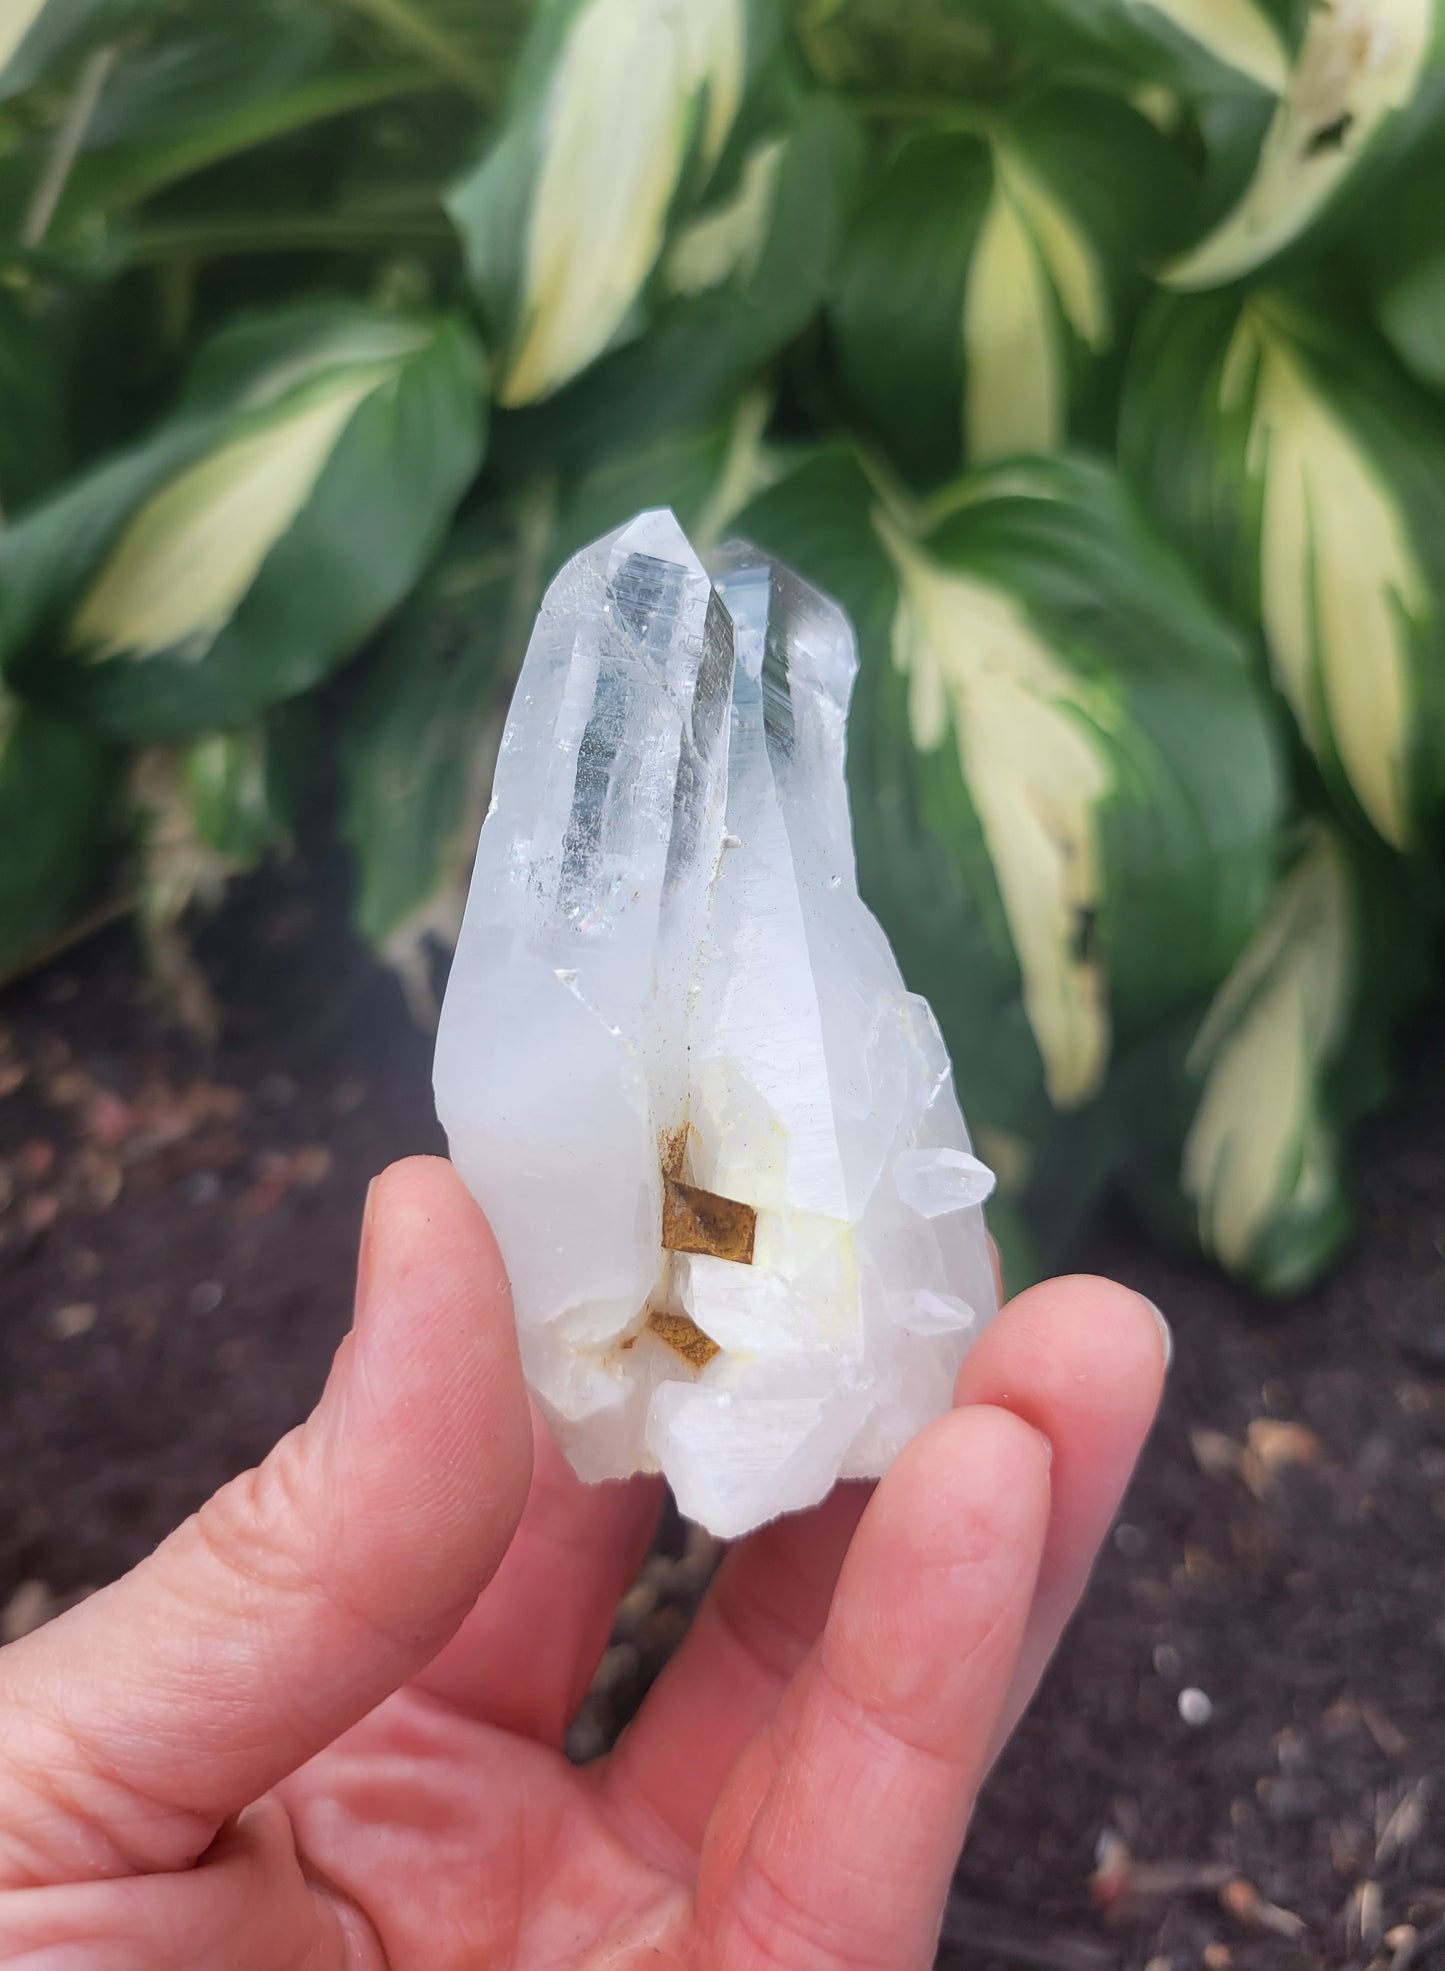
[664,944]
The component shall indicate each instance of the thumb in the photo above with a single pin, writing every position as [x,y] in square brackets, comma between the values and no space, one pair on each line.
[305,1591]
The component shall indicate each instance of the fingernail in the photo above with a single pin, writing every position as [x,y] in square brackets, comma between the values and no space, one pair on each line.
[1166,1337]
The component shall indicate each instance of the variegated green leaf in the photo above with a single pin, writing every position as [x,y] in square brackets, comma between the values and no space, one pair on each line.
[252,544]
[1063,819]
[1341,589]
[704,348]
[1314,484]
[179,572]
[1260,1149]
[727,242]
[565,219]
[1358,66]
[1035,276]
[988,275]
[1033,743]
[1235,1121]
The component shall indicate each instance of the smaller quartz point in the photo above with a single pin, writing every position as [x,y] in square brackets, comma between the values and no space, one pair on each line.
[939,1181]
[716,1136]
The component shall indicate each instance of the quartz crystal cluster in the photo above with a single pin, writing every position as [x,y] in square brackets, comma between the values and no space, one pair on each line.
[715,1135]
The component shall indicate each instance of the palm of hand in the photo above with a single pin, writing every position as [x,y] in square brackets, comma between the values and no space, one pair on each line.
[793,1793]
[469,1841]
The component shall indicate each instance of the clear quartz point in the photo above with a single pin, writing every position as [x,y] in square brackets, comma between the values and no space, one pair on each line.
[678,1067]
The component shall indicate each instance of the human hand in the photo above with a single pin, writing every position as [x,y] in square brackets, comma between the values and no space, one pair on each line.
[320,1728]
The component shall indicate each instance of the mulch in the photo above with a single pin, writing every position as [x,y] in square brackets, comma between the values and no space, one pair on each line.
[1238,1757]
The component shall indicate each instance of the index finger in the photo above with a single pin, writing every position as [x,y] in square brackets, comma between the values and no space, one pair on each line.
[835,1841]
[1083,1360]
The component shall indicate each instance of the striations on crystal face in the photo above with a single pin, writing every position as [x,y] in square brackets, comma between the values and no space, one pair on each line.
[678,1067]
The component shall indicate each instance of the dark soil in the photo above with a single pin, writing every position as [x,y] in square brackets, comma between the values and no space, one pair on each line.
[1238,1757]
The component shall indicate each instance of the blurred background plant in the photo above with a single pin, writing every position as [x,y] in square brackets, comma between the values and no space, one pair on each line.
[1091,351]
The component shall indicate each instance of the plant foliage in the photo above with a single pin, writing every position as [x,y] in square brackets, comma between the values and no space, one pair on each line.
[1090,351]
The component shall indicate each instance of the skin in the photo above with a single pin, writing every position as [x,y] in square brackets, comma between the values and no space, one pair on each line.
[320,1728]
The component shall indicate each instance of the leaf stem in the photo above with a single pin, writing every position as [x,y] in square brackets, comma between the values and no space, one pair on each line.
[903,506]
[66,149]
[294,233]
[446,54]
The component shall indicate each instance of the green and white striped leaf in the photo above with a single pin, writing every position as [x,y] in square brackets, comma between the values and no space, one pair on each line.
[249,546]
[1064,781]
[566,217]
[1035,744]
[988,276]
[1359,66]
[726,243]
[1035,279]
[1235,1121]
[56,788]
[1260,1161]
[747,283]
[1295,1049]
[1312,481]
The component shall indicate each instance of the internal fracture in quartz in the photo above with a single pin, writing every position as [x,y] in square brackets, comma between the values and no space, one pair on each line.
[715,1135]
